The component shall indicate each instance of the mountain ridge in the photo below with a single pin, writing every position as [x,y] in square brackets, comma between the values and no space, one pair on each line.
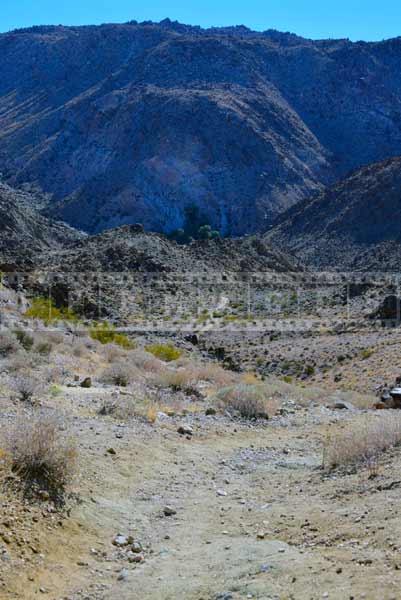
[130,123]
[352,224]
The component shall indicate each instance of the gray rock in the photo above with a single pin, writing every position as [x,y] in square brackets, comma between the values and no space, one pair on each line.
[341,405]
[123,575]
[169,511]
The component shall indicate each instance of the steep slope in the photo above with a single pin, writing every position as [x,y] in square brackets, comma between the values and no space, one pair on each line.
[133,123]
[24,232]
[352,225]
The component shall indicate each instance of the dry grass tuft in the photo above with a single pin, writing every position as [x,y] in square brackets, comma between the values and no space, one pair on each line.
[8,344]
[145,361]
[42,455]
[363,441]
[121,374]
[244,400]
[27,388]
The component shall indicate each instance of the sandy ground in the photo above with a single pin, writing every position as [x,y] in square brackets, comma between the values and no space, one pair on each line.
[256,516]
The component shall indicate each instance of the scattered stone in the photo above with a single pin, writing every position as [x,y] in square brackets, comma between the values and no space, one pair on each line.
[169,511]
[341,405]
[136,547]
[111,451]
[221,493]
[136,558]
[265,568]
[185,430]
[123,575]
[122,540]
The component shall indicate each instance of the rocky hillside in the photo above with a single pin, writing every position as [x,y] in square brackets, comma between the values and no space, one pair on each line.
[132,123]
[352,225]
[25,233]
[130,248]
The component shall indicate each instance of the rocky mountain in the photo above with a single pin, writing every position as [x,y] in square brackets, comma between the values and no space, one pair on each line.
[126,271]
[25,233]
[353,224]
[130,248]
[131,123]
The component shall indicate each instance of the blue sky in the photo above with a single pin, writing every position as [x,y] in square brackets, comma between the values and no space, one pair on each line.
[356,19]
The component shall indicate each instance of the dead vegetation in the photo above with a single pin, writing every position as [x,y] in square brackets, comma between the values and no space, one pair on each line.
[362,441]
[249,401]
[42,454]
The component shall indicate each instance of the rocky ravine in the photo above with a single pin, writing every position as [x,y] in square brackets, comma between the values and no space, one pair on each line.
[134,122]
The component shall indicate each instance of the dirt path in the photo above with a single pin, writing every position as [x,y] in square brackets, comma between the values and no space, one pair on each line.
[254,518]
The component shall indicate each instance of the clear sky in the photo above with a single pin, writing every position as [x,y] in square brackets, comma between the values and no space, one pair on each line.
[355,19]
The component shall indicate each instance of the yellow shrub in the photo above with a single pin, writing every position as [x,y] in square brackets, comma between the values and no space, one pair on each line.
[106,334]
[45,310]
[166,352]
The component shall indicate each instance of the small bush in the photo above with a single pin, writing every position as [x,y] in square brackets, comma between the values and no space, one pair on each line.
[25,339]
[118,374]
[44,348]
[182,379]
[26,387]
[42,455]
[121,408]
[363,441]
[247,401]
[145,361]
[106,334]
[366,353]
[45,310]
[8,344]
[166,352]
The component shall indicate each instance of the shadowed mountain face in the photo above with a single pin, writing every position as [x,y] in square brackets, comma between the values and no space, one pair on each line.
[354,224]
[25,233]
[132,123]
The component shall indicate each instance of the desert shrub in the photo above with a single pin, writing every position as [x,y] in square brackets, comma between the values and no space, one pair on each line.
[122,408]
[44,348]
[366,353]
[42,455]
[80,350]
[247,401]
[106,334]
[145,361]
[20,361]
[26,387]
[119,374]
[53,337]
[8,344]
[114,353]
[25,339]
[363,441]
[182,379]
[166,352]
[45,310]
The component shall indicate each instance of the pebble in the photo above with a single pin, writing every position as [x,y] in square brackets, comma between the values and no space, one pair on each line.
[123,575]
[121,541]
[136,558]
[185,430]
[169,511]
